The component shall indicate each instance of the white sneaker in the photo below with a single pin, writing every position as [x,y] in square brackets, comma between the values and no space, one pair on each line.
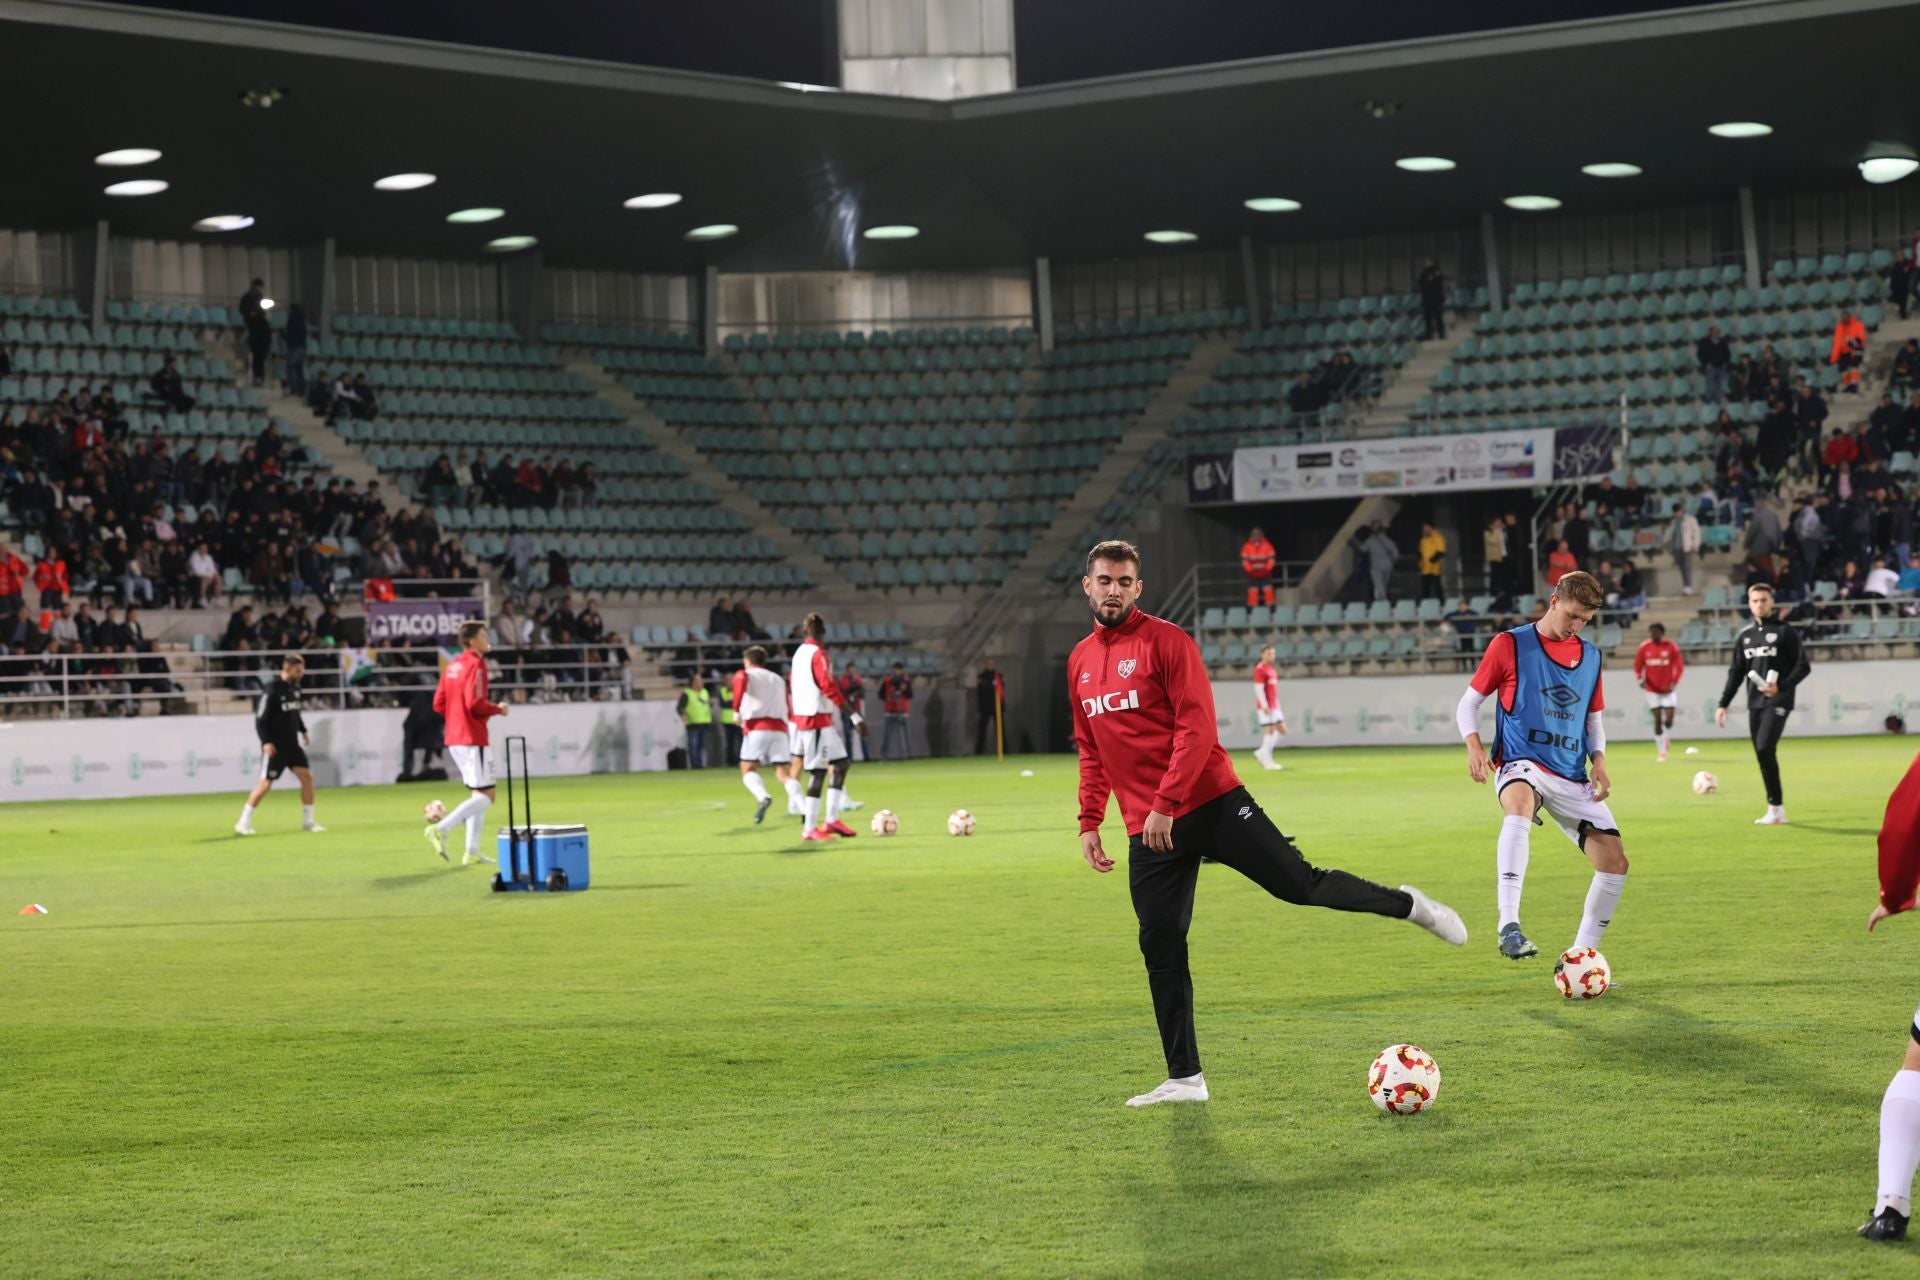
[1437,918]
[1775,816]
[437,841]
[312,826]
[1272,765]
[849,805]
[1193,1089]
[242,829]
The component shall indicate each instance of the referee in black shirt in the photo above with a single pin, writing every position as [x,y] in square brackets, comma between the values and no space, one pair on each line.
[283,739]
[1769,660]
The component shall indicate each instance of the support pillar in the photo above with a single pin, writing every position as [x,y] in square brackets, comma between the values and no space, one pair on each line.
[1043,302]
[1250,284]
[92,264]
[1490,250]
[1750,237]
[520,291]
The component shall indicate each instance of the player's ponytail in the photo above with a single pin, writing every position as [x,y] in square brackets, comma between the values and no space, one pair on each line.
[813,627]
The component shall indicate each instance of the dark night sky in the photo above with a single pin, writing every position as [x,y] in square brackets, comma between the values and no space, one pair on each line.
[1055,40]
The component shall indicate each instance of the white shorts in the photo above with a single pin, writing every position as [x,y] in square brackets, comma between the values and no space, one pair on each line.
[821,748]
[1276,716]
[1671,698]
[794,748]
[1571,803]
[766,746]
[475,766]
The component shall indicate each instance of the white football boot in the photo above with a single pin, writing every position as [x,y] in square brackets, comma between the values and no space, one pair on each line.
[1437,918]
[1192,1089]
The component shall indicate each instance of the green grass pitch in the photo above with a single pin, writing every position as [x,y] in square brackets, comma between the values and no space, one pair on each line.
[740,1056]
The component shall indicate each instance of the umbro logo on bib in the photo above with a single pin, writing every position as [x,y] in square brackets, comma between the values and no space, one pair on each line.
[1561,695]
[1126,667]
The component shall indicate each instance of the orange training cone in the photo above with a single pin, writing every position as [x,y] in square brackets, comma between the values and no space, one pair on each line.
[33,909]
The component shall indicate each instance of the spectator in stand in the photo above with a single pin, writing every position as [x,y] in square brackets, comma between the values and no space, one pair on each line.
[584,481]
[1909,581]
[14,573]
[1741,382]
[271,575]
[439,484]
[1900,282]
[744,624]
[721,624]
[1849,351]
[1777,435]
[320,394]
[1763,538]
[502,489]
[1906,367]
[1881,581]
[1466,625]
[342,399]
[253,314]
[1560,563]
[527,485]
[559,575]
[296,336]
[896,699]
[136,578]
[1578,534]
[1433,561]
[1884,426]
[1840,454]
[169,389]
[476,477]
[1810,417]
[1852,583]
[563,483]
[1716,360]
[1381,553]
[50,575]
[1304,397]
[365,405]
[1433,301]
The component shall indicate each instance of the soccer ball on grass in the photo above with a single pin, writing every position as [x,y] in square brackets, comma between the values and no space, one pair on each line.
[1705,784]
[960,823]
[1403,1080]
[435,811]
[1582,974]
[884,823]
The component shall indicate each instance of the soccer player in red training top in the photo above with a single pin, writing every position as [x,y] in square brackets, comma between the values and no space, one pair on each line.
[463,699]
[815,696]
[1143,721]
[1658,666]
[1900,1108]
[1266,709]
[1546,728]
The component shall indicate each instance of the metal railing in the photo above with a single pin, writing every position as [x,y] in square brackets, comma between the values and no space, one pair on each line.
[81,685]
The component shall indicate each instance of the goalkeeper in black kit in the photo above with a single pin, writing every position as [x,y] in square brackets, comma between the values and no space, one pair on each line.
[1769,659]
[283,738]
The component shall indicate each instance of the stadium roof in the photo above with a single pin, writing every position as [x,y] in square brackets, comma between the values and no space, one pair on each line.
[1074,171]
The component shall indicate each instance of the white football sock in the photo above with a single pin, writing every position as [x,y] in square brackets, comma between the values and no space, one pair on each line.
[835,798]
[473,834]
[306,813]
[1661,739]
[1269,742]
[809,810]
[755,787]
[1899,1141]
[1510,857]
[475,803]
[246,814]
[795,792]
[1603,898]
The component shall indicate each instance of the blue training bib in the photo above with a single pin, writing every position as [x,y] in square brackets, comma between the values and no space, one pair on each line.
[1548,721]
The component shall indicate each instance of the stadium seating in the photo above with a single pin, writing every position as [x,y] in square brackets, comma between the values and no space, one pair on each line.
[874,646]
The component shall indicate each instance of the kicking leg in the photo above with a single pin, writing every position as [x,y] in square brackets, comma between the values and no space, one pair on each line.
[1899,1148]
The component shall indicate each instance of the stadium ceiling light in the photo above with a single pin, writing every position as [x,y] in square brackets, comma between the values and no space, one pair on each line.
[1425,164]
[1612,169]
[1171,237]
[1880,168]
[482,214]
[658,200]
[404,181]
[713,231]
[1272,204]
[225,222]
[1740,129]
[1532,204]
[126,156]
[137,187]
[508,244]
[892,232]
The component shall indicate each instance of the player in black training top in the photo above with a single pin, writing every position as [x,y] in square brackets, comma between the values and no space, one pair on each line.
[1769,660]
[283,739]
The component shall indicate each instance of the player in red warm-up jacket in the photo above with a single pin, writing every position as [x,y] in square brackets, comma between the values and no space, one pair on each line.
[1143,721]
[464,700]
[1900,1107]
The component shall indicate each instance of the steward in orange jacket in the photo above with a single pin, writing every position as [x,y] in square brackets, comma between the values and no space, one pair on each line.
[1257,561]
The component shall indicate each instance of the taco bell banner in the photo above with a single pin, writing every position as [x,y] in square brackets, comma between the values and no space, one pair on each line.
[1415,464]
[436,620]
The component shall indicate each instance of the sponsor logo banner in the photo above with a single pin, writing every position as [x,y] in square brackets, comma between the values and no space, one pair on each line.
[1420,464]
[436,620]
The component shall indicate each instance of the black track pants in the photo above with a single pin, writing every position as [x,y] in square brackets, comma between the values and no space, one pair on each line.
[1765,727]
[1235,832]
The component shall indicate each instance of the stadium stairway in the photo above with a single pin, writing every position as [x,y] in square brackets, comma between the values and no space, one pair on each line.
[1390,413]
[1026,581]
[831,588]
[347,461]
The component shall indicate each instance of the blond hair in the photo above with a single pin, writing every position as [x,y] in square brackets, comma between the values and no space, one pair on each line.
[1581,588]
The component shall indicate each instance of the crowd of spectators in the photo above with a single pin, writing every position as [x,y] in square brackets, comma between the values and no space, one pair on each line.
[518,483]
[557,654]
[1335,377]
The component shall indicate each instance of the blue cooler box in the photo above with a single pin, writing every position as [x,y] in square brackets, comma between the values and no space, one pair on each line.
[558,855]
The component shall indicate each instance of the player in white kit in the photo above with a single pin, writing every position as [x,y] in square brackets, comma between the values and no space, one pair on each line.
[760,703]
[1266,709]
[816,701]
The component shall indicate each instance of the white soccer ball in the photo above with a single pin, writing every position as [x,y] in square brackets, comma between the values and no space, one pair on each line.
[1582,974]
[884,823]
[1705,784]
[435,811]
[960,823]
[1404,1080]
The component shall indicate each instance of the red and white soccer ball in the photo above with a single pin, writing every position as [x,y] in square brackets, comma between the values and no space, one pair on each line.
[1705,784]
[884,823]
[959,823]
[1404,1080]
[1582,974]
[435,811]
